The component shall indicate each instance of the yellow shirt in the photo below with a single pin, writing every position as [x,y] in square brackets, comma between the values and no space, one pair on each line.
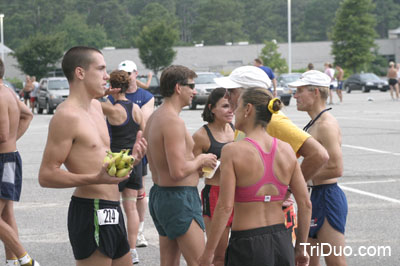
[282,127]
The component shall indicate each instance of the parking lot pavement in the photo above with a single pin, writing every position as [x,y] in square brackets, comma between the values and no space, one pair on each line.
[371,182]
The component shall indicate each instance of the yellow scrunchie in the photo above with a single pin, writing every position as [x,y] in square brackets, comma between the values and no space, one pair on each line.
[271,106]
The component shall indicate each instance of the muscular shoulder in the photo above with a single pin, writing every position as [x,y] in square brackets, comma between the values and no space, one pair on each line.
[6,95]
[285,150]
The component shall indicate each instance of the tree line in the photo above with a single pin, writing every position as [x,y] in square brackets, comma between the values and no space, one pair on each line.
[117,23]
[39,29]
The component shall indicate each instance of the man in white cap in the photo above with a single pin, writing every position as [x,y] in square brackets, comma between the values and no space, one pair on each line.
[145,100]
[328,200]
[280,126]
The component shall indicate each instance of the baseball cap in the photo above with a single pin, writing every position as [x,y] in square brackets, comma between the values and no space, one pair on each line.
[313,78]
[128,66]
[245,77]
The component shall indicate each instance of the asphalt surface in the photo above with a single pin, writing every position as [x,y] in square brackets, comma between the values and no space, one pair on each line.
[370,125]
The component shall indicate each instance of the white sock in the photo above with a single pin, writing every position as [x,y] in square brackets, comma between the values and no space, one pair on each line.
[12,262]
[141,227]
[25,260]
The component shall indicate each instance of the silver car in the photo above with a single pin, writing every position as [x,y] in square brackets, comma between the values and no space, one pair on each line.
[204,86]
[52,92]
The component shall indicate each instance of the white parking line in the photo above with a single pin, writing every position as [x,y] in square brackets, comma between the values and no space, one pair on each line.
[369,182]
[372,150]
[377,196]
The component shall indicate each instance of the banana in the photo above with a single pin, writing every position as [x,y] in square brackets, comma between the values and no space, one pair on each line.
[113,170]
[123,172]
[107,159]
[121,164]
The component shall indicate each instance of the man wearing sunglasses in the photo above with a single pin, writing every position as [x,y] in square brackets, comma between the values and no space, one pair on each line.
[174,201]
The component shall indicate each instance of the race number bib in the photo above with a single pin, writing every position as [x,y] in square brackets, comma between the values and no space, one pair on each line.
[108,216]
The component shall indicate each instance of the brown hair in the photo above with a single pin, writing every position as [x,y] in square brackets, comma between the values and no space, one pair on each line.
[172,75]
[78,56]
[119,79]
[212,100]
[260,98]
[259,61]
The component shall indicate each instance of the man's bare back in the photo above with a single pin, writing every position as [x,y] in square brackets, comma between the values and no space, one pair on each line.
[166,128]
[9,116]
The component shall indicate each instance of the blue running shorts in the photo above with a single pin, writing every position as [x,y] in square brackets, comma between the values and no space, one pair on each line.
[328,201]
[10,176]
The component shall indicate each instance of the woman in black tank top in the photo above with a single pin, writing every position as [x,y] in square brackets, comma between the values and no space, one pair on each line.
[210,139]
[124,120]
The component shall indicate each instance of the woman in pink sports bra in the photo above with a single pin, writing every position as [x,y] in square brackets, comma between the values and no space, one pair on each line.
[255,175]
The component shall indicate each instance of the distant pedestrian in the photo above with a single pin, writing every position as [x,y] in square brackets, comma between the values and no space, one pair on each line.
[393,81]
[258,62]
[34,93]
[28,87]
[339,78]
[310,66]
[331,73]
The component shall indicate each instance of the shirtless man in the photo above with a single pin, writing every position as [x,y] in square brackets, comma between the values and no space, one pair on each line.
[329,210]
[174,201]
[78,138]
[393,82]
[15,118]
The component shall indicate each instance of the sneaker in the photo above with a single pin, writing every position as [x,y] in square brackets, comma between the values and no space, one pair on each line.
[135,256]
[141,241]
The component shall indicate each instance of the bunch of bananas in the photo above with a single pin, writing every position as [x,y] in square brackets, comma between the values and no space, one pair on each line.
[119,163]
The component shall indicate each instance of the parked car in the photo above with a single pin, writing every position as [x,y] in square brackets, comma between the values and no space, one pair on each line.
[52,92]
[284,92]
[204,86]
[154,88]
[365,82]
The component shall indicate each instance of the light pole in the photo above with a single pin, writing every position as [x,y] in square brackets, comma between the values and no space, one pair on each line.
[2,37]
[289,37]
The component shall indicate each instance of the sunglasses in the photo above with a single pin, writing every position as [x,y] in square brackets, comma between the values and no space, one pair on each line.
[190,85]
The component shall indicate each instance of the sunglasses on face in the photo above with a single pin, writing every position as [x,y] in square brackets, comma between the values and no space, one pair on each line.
[190,85]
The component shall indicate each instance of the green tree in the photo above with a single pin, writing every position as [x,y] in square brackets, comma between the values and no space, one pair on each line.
[353,34]
[77,32]
[318,20]
[39,54]
[112,16]
[219,21]
[272,58]
[155,44]
[387,13]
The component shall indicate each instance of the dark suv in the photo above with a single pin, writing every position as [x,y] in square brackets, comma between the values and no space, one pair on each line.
[52,92]
[154,88]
